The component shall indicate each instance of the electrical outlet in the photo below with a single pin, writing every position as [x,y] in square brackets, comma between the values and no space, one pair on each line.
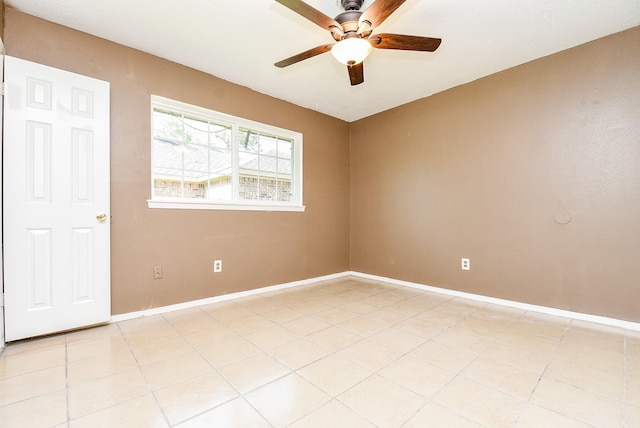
[465,264]
[217,266]
[157,272]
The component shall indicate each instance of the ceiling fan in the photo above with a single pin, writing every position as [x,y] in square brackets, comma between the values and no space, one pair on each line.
[352,31]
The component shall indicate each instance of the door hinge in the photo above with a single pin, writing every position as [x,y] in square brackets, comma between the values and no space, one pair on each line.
[2,89]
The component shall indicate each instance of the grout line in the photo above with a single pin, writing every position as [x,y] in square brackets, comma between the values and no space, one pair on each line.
[533,390]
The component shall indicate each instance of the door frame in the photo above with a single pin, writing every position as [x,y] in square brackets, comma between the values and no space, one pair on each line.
[2,53]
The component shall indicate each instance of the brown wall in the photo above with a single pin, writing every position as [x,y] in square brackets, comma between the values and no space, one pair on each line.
[481,170]
[257,248]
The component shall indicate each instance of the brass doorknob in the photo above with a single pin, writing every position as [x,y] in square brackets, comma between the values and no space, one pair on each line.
[101,217]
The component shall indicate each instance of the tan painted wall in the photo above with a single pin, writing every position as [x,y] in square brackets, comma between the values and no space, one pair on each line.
[257,248]
[480,171]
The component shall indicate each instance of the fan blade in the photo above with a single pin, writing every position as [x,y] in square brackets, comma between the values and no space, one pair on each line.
[405,43]
[356,73]
[304,55]
[313,15]
[380,10]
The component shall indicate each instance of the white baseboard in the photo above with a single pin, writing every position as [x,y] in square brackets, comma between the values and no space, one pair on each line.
[222,298]
[477,297]
[629,325]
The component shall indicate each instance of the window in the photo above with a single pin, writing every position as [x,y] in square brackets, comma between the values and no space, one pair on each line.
[202,159]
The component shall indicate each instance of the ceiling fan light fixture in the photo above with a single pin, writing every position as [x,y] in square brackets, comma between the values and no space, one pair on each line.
[352,50]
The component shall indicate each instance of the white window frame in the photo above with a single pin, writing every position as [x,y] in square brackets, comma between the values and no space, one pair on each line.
[235,123]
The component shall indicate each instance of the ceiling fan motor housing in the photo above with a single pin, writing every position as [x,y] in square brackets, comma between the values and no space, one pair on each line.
[351,4]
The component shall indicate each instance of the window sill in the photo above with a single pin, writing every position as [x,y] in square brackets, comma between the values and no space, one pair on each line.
[199,205]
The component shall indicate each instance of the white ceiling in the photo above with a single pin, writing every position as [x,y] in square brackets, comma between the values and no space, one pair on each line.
[240,40]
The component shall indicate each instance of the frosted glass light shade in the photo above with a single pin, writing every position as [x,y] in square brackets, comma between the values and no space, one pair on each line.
[352,50]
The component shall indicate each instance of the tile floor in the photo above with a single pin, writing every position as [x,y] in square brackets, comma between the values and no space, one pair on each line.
[341,353]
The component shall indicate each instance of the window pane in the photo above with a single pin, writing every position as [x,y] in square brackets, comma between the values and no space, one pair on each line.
[220,182]
[247,140]
[167,125]
[204,156]
[268,145]
[248,188]
[285,169]
[285,149]
[284,190]
[220,136]
[196,131]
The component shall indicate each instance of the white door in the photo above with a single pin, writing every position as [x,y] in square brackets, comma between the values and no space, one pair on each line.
[56,200]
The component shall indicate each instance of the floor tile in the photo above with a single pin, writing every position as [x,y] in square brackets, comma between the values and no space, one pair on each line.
[287,399]
[309,307]
[502,377]
[93,333]
[417,375]
[531,361]
[271,337]
[306,325]
[190,320]
[95,348]
[31,385]
[99,394]
[536,416]
[161,350]
[299,353]
[283,315]
[464,339]
[139,412]
[399,340]
[610,361]
[217,335]
[228,312]
[387,316]
[382,402]
[333,414]
[358,307]
[419,327]
[335,315]
[532,327]
[576,403]
[489,328]
[51,409]
[334,374]
[229,351]
[632,416]
[335,338]
[529,341]
[363,326]
[480,403]
[370,354]
[20,364]
[98,367]
[444,356]
[187,399]
[234,414]
[175,369]
[249,324]
[253,372]
[632,390]
[35,345]
[584,375]
[433,415]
